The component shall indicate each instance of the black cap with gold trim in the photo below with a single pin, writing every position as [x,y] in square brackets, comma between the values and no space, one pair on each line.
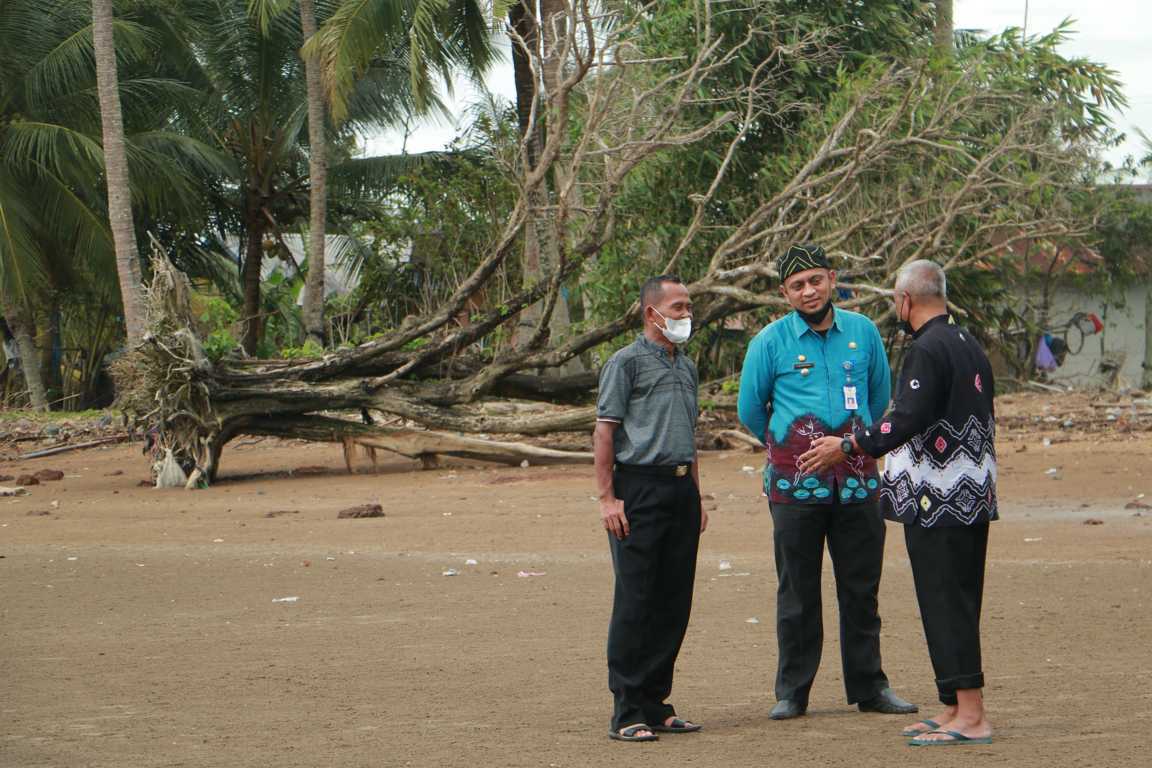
[801,257]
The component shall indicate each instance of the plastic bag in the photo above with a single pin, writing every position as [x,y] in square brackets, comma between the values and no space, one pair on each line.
[169,474]
[1045,360]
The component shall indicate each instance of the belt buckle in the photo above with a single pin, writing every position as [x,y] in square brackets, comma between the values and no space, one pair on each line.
[681,470]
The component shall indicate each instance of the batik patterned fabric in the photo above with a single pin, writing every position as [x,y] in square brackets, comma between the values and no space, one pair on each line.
[792,391]
[939,435]
[944,476]
[853,481]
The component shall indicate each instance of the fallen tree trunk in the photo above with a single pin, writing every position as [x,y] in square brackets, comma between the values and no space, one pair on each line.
[412,443]
[877,185]
[736,438]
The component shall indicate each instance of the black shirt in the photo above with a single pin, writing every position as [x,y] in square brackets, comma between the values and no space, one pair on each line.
[939,432]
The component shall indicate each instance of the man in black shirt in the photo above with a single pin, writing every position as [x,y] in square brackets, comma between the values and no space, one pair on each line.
[940,482]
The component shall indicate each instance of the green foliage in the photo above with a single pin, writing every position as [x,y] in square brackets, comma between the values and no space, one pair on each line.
[218,320]
[218,314]
[1124,236]
[219,344]
[283,318]
[441,222]
[310,349]
[857,35]
[430,38]
[1055,103]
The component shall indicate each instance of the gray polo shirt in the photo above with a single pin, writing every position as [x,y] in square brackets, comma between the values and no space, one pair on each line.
[652,395]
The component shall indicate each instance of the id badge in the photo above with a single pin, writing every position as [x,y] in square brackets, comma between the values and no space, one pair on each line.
[850,403]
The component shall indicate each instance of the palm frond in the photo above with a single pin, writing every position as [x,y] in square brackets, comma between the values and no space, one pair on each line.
[58,148]
[21,265]
[70,65]
[371,178]
[348,42]
[264,12]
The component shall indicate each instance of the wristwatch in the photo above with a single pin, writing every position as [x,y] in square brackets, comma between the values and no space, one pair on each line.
[846,446]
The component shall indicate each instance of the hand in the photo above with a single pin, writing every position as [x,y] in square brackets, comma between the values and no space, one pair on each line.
[612,514]
[703,517]
[824,453]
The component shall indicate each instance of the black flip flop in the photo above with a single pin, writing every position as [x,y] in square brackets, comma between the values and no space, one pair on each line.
[678,726]
[629,733]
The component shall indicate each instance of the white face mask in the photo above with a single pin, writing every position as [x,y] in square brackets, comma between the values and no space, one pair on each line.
[676,331]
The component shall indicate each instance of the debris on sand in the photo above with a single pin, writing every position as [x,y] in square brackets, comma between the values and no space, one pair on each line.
[292,599]
[530,574]
[49,475]
[1138,503]
[27,480]
[1093,521]
[364,510]
[10,491]
[279,512]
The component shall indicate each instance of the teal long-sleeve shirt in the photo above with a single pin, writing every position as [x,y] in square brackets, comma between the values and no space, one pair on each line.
[792,391]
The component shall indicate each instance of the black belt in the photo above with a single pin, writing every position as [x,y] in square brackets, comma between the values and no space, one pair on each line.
[658,470]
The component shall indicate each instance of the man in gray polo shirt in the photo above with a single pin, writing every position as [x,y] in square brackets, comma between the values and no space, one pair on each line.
[649,491]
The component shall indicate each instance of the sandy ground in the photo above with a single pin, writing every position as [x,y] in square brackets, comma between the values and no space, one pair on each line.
[140,627]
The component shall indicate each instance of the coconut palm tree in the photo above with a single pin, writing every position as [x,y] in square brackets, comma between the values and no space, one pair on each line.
[318,182]
[54,233]
[264,11]
[244,55]
[116,170]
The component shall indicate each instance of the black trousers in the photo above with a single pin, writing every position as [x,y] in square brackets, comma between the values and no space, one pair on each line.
[855,535]
[948,568]
[655,566]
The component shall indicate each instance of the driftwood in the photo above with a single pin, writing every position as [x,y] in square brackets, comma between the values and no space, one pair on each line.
[74,447]
[736,438]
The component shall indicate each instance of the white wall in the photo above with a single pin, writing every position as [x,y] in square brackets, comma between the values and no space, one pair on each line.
[1123,317]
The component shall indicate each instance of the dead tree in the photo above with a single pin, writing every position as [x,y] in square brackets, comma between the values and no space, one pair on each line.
[912,162]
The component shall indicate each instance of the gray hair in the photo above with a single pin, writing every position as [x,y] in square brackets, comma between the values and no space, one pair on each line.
[922,278]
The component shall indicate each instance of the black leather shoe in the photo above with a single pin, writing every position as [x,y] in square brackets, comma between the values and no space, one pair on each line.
[888,703]
[786,709]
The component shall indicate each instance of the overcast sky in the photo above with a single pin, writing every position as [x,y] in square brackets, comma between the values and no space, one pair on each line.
[1115,32]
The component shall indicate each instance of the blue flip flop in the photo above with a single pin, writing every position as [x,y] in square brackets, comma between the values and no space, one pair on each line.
[913,731]
[957,738]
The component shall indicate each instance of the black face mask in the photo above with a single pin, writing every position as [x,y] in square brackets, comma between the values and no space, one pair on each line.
[904,325]
[817,317]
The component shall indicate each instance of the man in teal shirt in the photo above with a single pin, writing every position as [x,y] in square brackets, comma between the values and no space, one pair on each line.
[815,372]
